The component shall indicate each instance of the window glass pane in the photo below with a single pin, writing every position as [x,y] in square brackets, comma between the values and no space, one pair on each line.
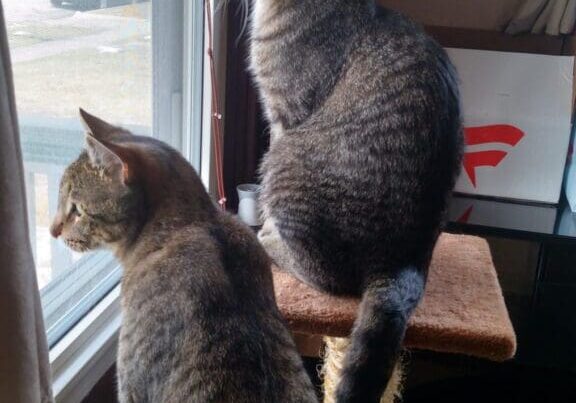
[94,54]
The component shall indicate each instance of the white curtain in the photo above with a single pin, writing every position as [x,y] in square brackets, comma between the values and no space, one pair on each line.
[24,367]
[550,17]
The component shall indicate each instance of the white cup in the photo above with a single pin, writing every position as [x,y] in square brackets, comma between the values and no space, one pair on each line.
[248,210]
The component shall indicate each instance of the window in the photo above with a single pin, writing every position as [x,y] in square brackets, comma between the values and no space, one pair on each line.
[123,60]
[66,55]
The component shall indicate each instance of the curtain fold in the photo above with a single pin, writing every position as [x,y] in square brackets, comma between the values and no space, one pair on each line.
[550,17]
[24,366]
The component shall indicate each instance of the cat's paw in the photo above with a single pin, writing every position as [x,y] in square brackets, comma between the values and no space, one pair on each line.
[273,244]
[268,231]
[263,234]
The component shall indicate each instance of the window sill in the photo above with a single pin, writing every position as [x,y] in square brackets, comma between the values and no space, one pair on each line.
[82,357]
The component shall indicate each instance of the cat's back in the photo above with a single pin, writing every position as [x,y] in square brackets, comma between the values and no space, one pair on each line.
[200,317]
[391,30]
[395,100]
[394,58]
[383,149]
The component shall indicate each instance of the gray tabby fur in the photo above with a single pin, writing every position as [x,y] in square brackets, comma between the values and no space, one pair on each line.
[200,322]
[366,143]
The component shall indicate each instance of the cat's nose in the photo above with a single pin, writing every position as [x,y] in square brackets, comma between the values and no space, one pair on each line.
[56,229]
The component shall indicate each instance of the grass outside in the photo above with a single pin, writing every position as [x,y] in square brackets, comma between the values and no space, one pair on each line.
[113,81]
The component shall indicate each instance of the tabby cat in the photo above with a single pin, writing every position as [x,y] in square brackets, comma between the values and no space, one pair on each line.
[366,143]
[200,322]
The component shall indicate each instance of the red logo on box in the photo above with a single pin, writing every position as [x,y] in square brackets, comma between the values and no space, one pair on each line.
[503,134]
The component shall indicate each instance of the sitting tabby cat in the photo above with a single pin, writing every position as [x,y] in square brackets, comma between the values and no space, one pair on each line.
[366,142]
[200,322]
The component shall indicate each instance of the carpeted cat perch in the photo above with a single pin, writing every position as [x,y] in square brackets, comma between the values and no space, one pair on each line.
[462,311]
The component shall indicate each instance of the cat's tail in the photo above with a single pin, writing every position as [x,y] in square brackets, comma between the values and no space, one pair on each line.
[376,339]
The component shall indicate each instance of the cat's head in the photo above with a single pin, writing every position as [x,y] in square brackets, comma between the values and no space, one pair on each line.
[101,202]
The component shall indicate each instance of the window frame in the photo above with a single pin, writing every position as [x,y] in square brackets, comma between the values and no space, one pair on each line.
[83,355]
[97,274]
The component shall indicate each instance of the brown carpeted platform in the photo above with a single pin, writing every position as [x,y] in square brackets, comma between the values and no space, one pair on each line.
[463,310]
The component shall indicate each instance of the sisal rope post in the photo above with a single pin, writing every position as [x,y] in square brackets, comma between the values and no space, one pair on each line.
[335,350]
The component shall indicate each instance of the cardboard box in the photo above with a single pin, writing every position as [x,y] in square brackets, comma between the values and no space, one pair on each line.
[517,110]
[480,24]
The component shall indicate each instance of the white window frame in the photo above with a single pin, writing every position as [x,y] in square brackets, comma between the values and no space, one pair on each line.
[182,118]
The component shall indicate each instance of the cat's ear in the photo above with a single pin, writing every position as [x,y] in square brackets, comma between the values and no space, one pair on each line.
[96,127]
[115,159]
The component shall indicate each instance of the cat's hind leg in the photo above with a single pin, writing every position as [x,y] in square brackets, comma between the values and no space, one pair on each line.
[303,262]
[282,255]
[277,249]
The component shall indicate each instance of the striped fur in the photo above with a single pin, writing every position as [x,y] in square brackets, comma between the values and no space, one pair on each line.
[200,322]
[366,144]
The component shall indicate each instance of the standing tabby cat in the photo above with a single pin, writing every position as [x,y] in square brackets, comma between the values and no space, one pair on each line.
[200,322]
[365,146]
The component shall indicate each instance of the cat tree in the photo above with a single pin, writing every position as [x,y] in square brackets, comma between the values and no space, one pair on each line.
[462,312]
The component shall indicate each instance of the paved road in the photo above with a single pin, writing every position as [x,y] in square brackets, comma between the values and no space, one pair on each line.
[37,29]
[102,37]
[16,11]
